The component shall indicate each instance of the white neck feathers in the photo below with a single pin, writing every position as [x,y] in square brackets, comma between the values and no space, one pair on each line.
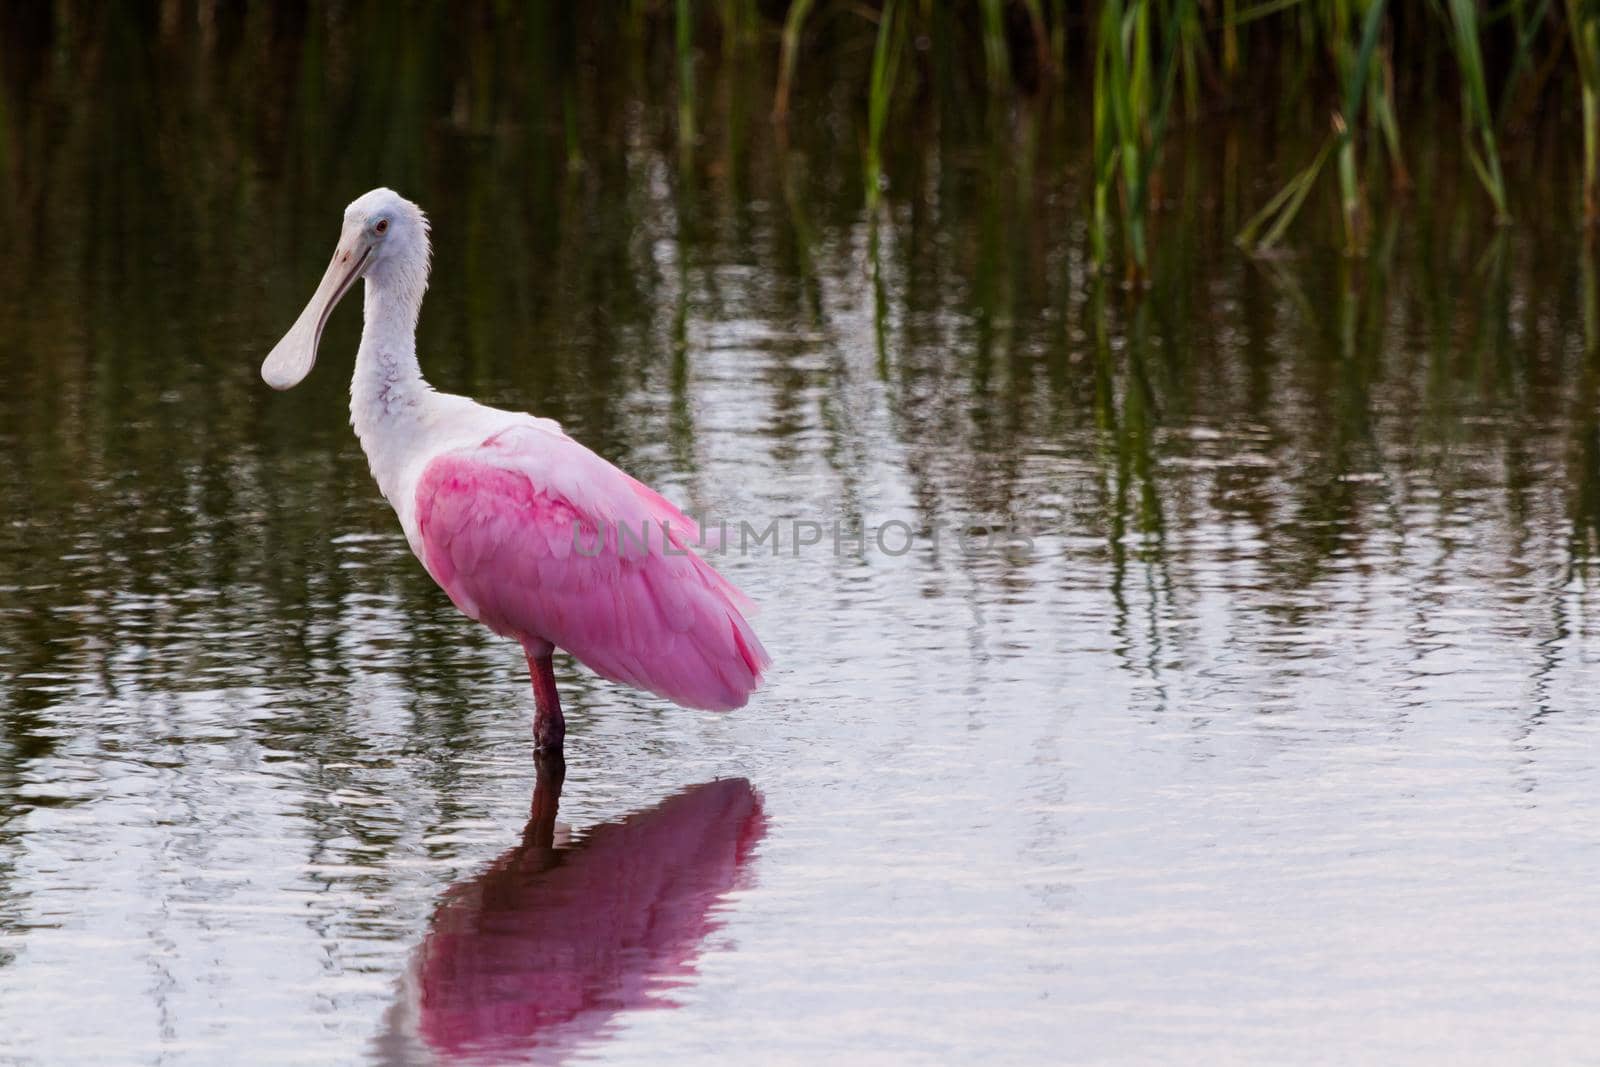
[388,393]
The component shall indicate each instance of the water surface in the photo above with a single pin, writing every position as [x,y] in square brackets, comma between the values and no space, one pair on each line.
[1275,739]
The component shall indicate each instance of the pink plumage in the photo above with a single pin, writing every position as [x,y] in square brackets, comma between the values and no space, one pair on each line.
[540,539]
[528,532]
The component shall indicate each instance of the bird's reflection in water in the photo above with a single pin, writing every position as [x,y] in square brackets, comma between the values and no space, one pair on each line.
[532,957]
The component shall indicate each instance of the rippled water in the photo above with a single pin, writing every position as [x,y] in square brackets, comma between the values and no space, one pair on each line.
[1266,730]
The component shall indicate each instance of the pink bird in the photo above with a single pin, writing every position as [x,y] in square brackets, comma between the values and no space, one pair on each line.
[526,530]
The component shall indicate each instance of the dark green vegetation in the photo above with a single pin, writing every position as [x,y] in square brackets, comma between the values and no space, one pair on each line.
[1094,99]
[1298,57]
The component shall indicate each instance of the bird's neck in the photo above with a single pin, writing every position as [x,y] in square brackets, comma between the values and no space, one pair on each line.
[388,395]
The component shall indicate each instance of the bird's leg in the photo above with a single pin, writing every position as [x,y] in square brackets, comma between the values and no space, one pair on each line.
[550,771]
[549,728]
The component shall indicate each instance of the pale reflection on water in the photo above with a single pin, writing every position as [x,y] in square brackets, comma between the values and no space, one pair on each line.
[1280,744]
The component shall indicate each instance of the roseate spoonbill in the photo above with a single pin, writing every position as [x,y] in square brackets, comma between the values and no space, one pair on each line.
[526,530]
[539,952]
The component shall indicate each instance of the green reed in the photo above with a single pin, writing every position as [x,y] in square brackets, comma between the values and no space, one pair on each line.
[684,39]
[1338,57]
[1482,150]
[1133,83]
[1367,72]
[1352,35]
[794,23]
[885,62]
[1583,18]
[996,54]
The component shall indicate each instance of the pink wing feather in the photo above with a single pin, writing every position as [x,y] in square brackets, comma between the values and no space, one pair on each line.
[498,524]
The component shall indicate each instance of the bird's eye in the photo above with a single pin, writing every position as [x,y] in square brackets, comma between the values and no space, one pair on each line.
[381,227]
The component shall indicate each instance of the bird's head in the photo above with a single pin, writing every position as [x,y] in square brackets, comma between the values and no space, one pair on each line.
[384,239]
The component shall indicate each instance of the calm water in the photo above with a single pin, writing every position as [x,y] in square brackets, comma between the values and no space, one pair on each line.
[1277,739]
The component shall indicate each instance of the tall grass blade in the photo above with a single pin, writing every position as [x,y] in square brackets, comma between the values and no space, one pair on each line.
[1260,11]
[793,25]
[1482,150]
[1583,20]
[885,62]
[1526,27]
[1132,96]
[997,58]
[1357,70]
[685,44]
[1285,205]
